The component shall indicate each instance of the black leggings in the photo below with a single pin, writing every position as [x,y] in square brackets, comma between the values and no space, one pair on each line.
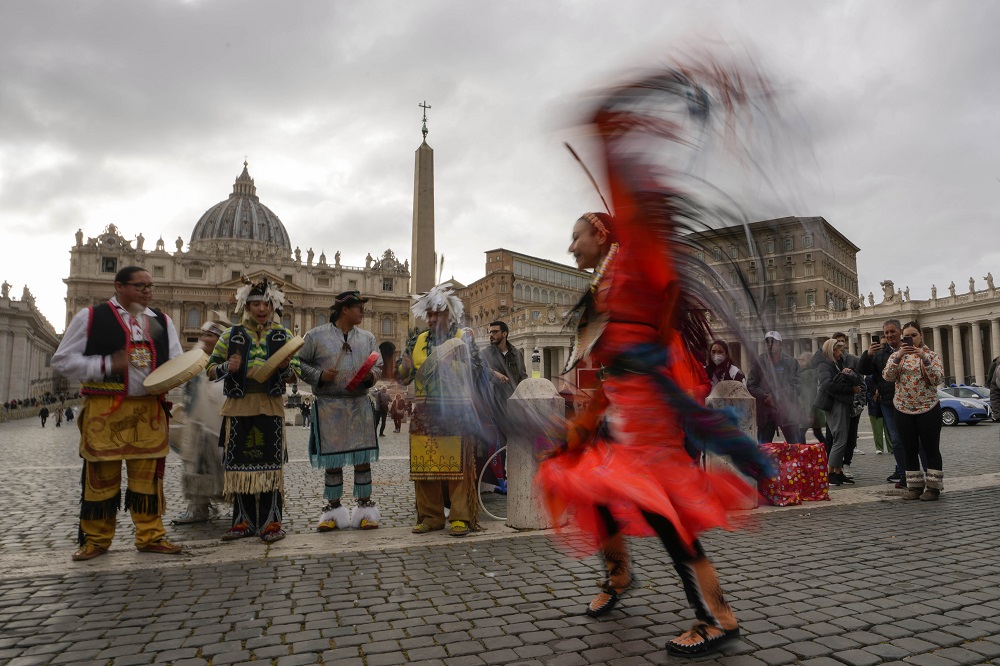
[702,590]
[921,433]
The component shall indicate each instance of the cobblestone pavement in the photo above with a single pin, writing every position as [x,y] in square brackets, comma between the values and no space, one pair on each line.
[878,581]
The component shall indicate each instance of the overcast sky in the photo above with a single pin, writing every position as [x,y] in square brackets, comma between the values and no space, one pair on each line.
[140,114]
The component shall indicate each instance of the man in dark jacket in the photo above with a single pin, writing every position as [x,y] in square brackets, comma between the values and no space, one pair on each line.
[873,363]
[506,366]
[774,382]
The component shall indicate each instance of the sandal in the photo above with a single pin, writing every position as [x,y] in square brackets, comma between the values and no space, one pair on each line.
[699,639]
[272,533]
[238,531]
[424,528]
[458,528]
[605,600]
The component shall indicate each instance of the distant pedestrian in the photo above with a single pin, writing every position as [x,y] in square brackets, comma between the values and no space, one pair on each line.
[398,411]
[69,414]
[306,410]
[59,417]
[43,414]
[382,406]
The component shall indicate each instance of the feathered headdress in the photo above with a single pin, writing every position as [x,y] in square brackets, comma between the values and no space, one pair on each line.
[440,298]
[259,289]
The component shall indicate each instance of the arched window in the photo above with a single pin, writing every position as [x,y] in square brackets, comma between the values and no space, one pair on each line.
[193,319]
[518,292]
[386,325]
[534,294]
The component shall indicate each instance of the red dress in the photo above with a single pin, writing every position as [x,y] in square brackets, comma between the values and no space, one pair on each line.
[643,465]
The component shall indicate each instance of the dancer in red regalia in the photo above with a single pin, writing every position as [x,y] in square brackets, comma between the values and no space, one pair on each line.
[628,467]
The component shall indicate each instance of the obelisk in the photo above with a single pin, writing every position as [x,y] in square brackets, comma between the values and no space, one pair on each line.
[423,257]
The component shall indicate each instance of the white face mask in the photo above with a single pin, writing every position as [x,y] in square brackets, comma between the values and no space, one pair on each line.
[718,358]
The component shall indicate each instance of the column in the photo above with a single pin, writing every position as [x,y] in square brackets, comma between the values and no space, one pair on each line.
[938,345]
[5,378]
[796,347]
[994,339]
[956,354]
[977,354]
[177,314]
[19,378]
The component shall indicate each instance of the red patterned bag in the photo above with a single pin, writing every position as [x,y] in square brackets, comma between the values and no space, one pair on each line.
[802,474]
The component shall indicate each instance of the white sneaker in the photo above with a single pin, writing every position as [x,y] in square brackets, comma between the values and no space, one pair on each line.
[879,452]
[860,452]
[847,471]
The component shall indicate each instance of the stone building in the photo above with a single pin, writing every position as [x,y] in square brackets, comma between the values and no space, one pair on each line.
[27,342]
[794,266]
[532,295]
[235,237]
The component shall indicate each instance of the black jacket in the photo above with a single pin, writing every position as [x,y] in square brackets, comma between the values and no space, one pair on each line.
[874,365]
[836,382]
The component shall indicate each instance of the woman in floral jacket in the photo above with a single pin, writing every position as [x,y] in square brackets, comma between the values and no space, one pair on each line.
[917,372]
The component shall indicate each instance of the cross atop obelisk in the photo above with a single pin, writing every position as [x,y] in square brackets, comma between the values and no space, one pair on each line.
[424,128]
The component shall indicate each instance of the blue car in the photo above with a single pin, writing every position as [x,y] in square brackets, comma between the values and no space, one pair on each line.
[962,410]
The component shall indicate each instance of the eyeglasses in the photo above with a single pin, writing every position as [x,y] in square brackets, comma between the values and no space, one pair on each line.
[142,286]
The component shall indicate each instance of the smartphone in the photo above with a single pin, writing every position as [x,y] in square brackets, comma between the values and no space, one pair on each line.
[875,338]
[907,340]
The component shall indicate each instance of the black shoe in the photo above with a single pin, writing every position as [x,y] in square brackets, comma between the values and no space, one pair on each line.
[838,479]
[895,478]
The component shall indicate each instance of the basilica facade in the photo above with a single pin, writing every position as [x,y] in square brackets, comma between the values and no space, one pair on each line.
[241,236]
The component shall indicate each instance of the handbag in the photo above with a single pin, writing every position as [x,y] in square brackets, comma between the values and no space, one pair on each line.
[824,399]
[859,404]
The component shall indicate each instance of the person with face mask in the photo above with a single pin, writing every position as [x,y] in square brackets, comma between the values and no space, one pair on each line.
[720,367]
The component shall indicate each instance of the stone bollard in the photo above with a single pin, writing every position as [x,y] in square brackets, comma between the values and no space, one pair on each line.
[534,403]
[735,397]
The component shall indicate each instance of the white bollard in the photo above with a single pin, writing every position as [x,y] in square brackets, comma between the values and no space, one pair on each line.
[735,397]
[534,403]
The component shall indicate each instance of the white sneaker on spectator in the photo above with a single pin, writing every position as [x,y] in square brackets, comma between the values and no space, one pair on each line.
[859,451]
[847,471]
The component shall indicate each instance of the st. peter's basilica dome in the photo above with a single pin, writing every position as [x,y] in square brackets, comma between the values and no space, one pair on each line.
[241,217]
